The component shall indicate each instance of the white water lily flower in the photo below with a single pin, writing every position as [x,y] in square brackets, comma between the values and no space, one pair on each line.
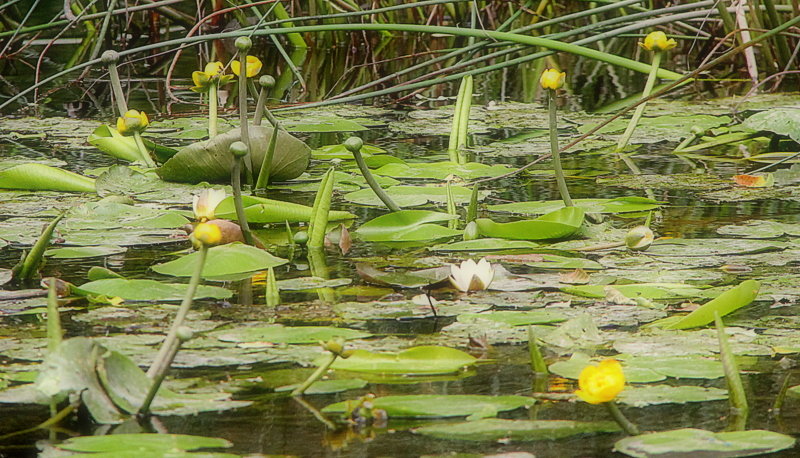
[204,204]
[472,276]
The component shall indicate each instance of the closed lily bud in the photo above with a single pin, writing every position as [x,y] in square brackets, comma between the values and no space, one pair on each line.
[132,121]
[204,204]
[639,238]
[657,41]
[552,79]
[206,234]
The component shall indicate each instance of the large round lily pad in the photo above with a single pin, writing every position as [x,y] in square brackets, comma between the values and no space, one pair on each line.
[211,160]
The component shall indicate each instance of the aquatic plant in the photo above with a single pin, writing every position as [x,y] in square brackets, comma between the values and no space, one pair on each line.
[552,80]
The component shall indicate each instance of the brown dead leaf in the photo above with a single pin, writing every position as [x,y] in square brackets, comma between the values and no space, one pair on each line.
[345,242]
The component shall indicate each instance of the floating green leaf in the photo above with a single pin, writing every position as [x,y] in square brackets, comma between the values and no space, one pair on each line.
[410,196]
[43,177]
[262,211]
[406,226]
[287,335]
[432,405]
[515,318]
[441,170]
[111,142]
[781,121]
[84,252]
[415,360]
[147,290]
[697,442]
[554,225]
[212,161]
[328,386]
[642,396]
[617,205]
[142,444]
[486,245]
[231,259]
[496,429]
[652,291]
[724,304]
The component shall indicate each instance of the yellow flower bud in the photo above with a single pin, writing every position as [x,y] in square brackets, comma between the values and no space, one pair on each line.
[657,41]
[601,383]
[253,66]
[552,79]
[207,234]
[203,80]
[132,121]
[213,68]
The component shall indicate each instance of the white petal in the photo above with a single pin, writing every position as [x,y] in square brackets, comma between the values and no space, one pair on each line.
[460,278]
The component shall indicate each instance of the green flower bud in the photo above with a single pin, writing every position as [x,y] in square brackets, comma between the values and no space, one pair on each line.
[353,144]
[266,81]
[184,333]
[110,57]
[239,149]
[300,237]
[243,43]
[471,231]
[639,238]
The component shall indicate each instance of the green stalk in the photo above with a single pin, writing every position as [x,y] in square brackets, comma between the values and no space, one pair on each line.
[243,122]
[103,29]
[538,365]
[272,294]
[111,58]
[319,268]
[316,375]
[322,205]
[160,364]
[213,102]
[294,38]
[626,425]
[29,264]
[736,394]
[266,163]
[236,184]
[472,209]
[452,146]
[784,54]
[354,144]
[648,88]
[560,180]
[451,207]
[54,331]
[463,120]
[148,161]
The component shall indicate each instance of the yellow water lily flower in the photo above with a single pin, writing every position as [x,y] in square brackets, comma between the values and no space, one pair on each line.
[206,234]
[657,41]
[471,275]
[601,383]
[253,66]
[132,121]
[203,80]
[206,202]
[552,79]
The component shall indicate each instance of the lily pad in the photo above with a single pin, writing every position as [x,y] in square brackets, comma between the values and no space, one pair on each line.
[212,161]
[496,429]
[489,244]
[142,444]
[147,290]
[515,318]
[652,291]
[643,396]
[328,386]
[287,335]
[724,304]
[43,177]
[781,121]
[691,442]
[554,225]
[84,252]
[415,360]
[617,205]
[224,260]
[411,196]
[441,170]
[437,406]
[262,211]
[406,226]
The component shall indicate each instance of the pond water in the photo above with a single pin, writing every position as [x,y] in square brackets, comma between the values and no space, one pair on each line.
[699,200]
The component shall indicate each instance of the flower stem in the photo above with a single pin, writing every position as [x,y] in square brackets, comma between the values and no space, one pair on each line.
[236,183]
[373,184]
[116,86]
[315,376]
[213,101]
[166,353]
[148,161]
[648,88]
[266,164]
[560,180]
[626,425]
[243,123]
